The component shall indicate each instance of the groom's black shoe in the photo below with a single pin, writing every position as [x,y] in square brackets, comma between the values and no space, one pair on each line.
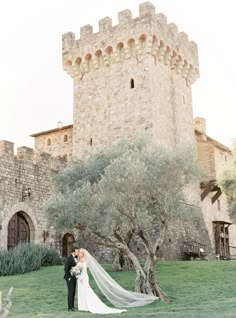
[71,309]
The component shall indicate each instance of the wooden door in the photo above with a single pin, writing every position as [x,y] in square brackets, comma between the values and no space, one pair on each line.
[18,230]
[221,231]
[68,241]
[23,229]
[12,232]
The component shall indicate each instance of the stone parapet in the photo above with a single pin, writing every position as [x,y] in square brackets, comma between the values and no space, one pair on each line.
[29,155]
[148,34]
[25,153]
[6,148]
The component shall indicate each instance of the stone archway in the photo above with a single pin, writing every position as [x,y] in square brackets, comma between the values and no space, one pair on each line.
[68,241]
[20,229]
[31,218]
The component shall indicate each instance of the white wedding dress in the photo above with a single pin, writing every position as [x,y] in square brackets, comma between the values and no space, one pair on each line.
[87,299]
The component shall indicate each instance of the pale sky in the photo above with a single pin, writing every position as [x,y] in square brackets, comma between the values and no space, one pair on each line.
[35,92]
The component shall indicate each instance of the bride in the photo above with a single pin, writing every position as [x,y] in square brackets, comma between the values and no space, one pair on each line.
[118,296]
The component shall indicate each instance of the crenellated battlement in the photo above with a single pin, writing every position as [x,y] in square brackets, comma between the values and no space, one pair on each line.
[148,34]
[29,155]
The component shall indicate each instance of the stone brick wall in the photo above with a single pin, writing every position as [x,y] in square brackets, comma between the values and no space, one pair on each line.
[160,63]
[129,79]
[223,159]
[17,174]
[218,211]
[206,158]
[212,155]
[135,78]
[57,142]
[213,158]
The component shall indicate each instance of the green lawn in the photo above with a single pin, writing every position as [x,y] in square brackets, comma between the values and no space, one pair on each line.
[197,289]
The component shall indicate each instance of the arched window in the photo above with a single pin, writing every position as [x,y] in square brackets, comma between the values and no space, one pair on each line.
[49,142]
[132,83]
[65,138]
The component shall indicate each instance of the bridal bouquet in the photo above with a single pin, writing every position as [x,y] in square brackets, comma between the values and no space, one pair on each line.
[76,271]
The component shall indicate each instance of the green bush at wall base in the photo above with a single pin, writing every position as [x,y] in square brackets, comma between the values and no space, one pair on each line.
[26,258]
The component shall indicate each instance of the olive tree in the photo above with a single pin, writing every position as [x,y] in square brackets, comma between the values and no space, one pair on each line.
[128,191]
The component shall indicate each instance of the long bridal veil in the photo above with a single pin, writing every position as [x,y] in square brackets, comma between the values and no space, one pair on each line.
[116,294]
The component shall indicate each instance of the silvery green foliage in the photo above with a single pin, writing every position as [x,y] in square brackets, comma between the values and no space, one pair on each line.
[131,186]
[26,258]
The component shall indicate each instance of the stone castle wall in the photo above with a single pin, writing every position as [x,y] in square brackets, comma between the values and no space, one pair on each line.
[18,174]
[135,78]
[57,142]
[132,78]
[214,158]
[218,211]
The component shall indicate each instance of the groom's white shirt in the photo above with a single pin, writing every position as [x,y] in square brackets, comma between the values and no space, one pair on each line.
[75,258]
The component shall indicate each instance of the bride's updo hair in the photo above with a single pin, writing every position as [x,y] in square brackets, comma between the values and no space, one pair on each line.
[82,250]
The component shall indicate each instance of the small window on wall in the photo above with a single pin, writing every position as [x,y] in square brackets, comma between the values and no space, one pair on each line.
[49,142]
[132,83]
[91,141]
[65,138]
[218,205]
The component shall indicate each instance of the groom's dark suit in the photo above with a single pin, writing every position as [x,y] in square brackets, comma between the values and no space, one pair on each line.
[70,280]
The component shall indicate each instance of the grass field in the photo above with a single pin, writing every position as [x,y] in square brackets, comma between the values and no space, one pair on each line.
[196,289]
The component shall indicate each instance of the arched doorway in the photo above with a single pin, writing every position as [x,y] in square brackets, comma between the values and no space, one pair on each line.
[18,230]
[68,241]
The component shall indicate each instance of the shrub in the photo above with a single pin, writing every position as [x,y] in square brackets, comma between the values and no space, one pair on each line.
[26,258]
[50,256]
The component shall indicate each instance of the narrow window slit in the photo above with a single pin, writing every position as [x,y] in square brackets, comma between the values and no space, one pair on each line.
[132,83]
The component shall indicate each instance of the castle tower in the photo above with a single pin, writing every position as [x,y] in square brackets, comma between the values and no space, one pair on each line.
[131,78]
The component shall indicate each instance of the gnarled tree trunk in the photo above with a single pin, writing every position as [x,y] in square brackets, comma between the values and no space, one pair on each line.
[146,281]
[4,312]
[122,262]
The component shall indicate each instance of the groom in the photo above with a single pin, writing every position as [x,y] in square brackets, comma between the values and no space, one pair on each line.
[71,280]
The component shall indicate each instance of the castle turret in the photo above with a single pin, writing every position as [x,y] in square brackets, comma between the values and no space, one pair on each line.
[132,77]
